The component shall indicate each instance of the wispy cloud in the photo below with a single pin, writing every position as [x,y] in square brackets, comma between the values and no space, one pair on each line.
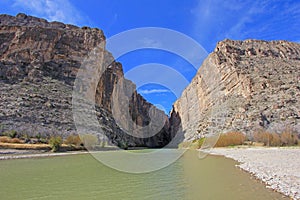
[152,91]
[52,10]
[150,42]
[215,20]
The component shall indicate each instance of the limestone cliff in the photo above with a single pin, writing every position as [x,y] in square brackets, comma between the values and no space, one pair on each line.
[242,86]
[39,61]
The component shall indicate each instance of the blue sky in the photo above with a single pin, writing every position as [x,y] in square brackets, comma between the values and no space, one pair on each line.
[206,21]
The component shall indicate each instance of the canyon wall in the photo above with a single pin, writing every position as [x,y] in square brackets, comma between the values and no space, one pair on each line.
[39,61]
[242,86]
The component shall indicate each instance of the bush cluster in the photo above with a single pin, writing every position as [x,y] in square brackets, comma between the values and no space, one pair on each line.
[287,138]
[231,139]
[123,145]
[10,133]
[73,140]
[55,143]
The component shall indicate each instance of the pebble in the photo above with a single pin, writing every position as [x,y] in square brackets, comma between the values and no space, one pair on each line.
[278,168]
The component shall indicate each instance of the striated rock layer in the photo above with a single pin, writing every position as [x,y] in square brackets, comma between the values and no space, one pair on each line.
[242,86]
[39,61]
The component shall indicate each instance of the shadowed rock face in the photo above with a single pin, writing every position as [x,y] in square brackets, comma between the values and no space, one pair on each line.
[39,61]
[242,86]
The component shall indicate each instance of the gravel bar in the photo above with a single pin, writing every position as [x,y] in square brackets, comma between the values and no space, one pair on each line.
[278,168]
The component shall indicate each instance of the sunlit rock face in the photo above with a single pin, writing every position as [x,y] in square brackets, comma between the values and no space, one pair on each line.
[242,86]
[39,61]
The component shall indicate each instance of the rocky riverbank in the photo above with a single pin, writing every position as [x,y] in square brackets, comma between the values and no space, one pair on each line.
[278,168]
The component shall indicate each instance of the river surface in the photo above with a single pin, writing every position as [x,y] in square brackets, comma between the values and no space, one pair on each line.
[83,177]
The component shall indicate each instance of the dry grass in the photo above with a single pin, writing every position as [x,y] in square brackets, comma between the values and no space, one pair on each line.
[73,140]
[25,146]
[89,141]
[262,136]
[5,139]
[16,141]
[46,147]
[287,138]
[231,139]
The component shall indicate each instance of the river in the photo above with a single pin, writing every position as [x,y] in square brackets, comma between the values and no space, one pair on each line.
[83,177]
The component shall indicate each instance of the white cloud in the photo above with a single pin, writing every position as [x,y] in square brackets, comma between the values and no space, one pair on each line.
[149,42]
[152,91]
[225,15]
[52,10]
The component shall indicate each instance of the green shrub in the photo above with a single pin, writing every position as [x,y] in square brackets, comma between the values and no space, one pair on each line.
[196,144]
[1,129]
[103,144]
[11,133]
[123,145]
[200,142]
[55,143]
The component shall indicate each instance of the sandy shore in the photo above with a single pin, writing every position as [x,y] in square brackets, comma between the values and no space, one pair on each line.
[278,168]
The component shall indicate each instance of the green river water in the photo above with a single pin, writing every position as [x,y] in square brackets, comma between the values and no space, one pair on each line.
[83,177]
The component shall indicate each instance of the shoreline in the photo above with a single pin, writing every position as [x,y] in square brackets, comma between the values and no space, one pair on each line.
[278,168]
[11,154]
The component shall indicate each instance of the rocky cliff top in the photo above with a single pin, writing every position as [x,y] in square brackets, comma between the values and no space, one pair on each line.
[235,52]
[260,48]
[24,20]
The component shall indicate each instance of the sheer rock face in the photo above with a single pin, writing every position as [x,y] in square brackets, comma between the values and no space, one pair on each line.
[39,61]
[242,86]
